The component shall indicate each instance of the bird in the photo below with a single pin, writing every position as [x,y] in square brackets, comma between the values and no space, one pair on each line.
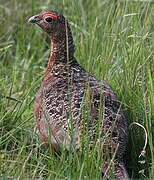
[70,100]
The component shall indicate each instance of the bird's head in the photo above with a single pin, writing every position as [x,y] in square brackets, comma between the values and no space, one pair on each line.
[51,22]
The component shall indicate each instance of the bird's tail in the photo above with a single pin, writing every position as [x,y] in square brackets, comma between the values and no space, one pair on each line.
[119,172]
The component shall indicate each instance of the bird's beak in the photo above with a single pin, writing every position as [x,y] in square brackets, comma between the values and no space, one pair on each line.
[34,19]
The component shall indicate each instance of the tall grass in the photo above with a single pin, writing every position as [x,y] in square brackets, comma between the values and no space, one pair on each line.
[114,42]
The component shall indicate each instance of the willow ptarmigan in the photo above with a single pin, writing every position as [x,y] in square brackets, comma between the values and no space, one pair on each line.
[61,101]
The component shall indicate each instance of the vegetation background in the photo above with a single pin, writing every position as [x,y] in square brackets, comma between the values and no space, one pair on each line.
[114,41]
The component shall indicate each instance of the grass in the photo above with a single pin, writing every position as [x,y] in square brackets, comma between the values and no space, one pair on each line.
[114,41]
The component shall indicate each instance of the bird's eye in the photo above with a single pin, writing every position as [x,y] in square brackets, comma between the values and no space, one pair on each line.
[49,19]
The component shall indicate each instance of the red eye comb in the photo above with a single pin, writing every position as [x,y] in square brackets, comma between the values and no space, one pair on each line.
[52,15]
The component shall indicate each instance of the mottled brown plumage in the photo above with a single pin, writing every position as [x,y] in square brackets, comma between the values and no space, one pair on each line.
[62,98]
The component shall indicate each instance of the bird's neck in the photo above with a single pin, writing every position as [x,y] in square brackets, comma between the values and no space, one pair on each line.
[62,49]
